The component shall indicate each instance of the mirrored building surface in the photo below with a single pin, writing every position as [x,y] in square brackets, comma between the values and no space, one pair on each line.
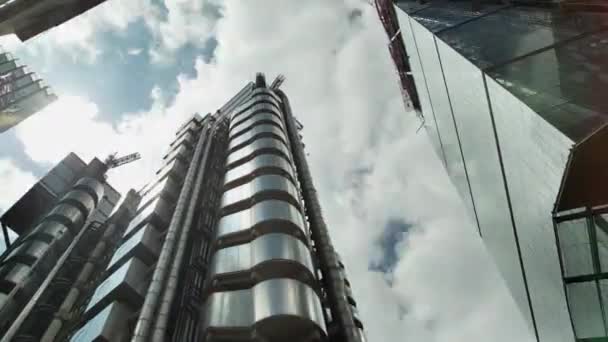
[508,93]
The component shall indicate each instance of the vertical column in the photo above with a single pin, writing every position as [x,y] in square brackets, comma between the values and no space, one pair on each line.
[344,325]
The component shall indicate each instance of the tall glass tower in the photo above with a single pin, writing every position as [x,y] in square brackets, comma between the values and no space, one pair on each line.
[226,243]
[511,93]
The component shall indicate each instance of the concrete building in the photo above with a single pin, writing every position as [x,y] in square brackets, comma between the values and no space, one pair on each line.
[512,98]
[226,243]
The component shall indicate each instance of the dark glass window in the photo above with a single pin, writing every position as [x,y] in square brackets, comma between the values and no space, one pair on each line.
[520,30]
[564,85]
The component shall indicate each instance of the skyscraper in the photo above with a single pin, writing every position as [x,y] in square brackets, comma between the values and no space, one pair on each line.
[512,97]
[22,93]
[27,18]
[226,243]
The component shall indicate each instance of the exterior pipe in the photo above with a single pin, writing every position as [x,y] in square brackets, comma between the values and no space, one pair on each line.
[146,316]
[70,300]
[84,276]
[10,333]
[160,326]
[326,255]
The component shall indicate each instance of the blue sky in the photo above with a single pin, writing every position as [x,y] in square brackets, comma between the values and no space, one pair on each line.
[128,73]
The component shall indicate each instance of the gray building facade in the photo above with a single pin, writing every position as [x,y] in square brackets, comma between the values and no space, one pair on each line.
[507,91]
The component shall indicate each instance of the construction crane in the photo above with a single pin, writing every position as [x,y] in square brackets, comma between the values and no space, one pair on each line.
[112,161]
[389,20]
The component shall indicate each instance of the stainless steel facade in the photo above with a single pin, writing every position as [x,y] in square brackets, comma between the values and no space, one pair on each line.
[506,91]
[262,281]
[221,246]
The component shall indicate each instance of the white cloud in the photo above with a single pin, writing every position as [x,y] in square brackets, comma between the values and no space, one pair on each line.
[343,88]
[78,37]
[173,26]
[186,22]
[14,183]
[134,51]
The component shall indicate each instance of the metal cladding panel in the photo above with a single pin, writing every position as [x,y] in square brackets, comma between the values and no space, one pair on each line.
[263,161]
[32,249]
[265,143]
[124,284]
[68,214]
[182,152]
[82,197]
[157,212]
[246,137]
[95,187]
[191,127]
[256,119]
[260,96]
[268,256]
[167,188]
[265,92]
[535,155]
[255,109]
[15,273]
[144,245]
[277,184]
[267,216]
[56,230]
[274,310]
[187,138]
[176,169]
[108,325]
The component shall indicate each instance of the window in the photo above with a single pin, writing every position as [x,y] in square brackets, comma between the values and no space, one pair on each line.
[575,247]
[585,309]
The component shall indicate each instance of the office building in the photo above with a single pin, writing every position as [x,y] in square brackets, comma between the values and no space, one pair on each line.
[27,19]
[512,95]
[226,243]
[22,93]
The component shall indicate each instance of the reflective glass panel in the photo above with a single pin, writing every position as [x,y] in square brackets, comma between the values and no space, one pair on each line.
[256,109]
[520,30]
[93,328]
[601,235]
[262,129]
[238,129]
[261,161]
[575,247]
[110,283]
[585,310]
[444,14]
[257,144]
[127,246]
[564,84]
